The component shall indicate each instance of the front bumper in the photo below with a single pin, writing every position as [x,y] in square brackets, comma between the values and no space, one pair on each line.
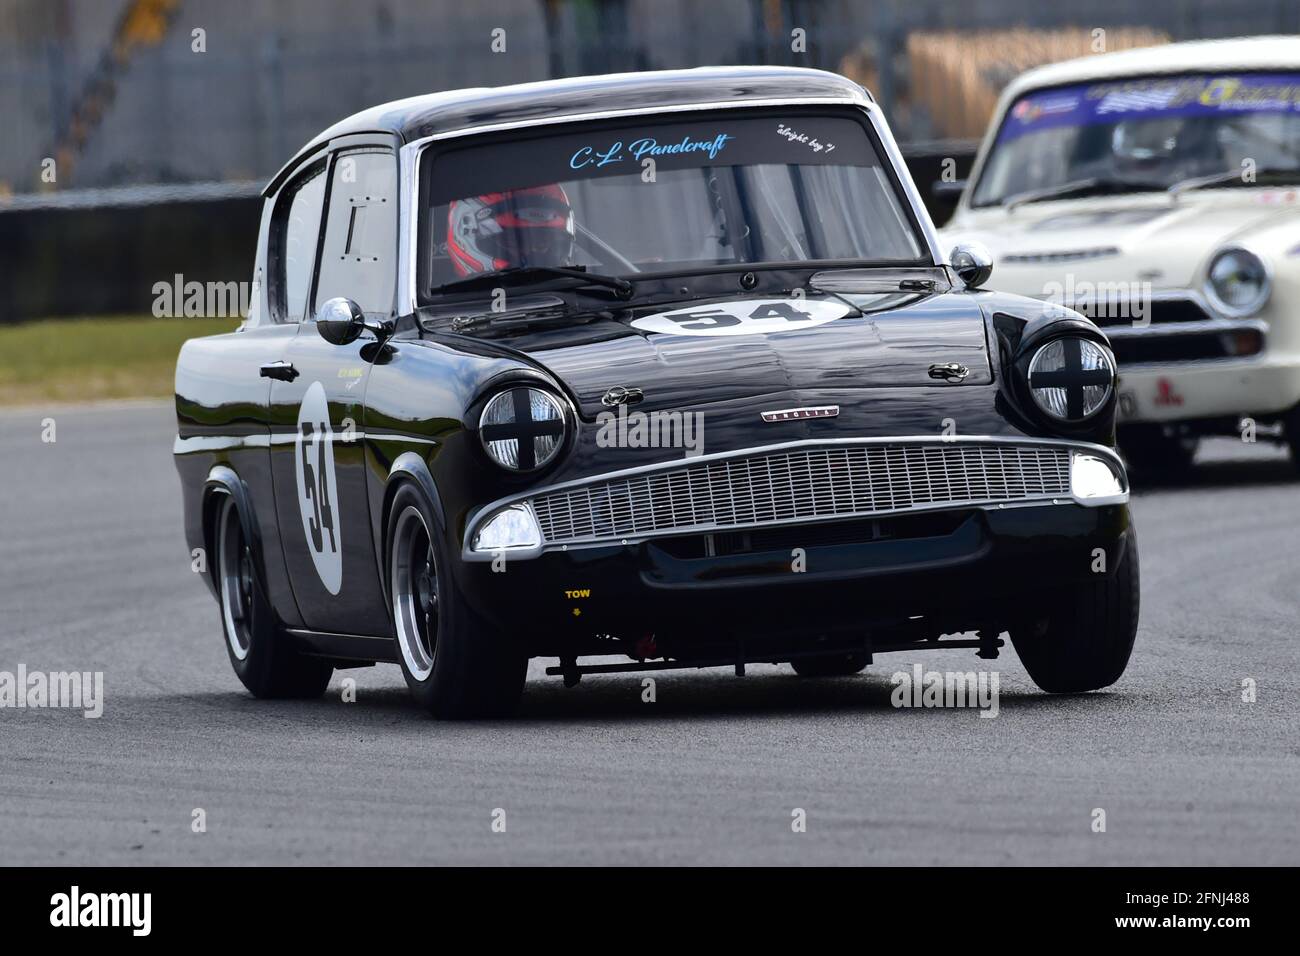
[940,573]
[1186,362]
[803,538]
[794,483]
[1259,387]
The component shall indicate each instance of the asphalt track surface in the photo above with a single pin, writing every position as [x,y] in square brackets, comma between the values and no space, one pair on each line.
[94,575]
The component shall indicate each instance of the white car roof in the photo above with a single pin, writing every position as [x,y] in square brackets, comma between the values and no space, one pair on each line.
[1198,56]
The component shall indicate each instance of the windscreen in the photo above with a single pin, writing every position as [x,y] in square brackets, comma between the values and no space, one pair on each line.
[656,197]
[1153,132]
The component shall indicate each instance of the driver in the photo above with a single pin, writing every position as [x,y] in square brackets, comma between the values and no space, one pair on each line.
[506,230]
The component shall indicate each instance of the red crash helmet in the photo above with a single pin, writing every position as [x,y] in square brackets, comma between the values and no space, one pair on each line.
[519,227]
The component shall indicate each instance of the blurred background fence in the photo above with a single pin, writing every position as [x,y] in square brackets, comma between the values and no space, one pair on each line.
[137,132]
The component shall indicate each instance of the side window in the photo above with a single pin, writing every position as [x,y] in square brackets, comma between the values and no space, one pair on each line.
[296,229]
[359,258]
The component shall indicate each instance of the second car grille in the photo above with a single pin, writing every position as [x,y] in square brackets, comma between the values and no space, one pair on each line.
[1156,311]
[802,484]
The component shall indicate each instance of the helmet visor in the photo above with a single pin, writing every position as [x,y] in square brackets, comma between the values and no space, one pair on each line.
[533,231]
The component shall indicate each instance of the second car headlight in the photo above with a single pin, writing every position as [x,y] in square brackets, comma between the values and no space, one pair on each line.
[1071,378]
[1238,282]
[522,428]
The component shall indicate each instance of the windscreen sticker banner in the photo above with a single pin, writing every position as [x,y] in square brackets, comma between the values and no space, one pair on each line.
[794,135]
[318,491]
[1157,97]
[747,317]
[596,153]
[616,152]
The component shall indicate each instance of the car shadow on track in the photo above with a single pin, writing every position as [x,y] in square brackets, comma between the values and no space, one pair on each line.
[722,695]
[619,699]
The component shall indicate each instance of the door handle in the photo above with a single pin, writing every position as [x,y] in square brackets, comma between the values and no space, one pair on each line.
[951,372]
[284,371]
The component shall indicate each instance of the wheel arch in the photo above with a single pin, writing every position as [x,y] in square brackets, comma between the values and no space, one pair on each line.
[223,481]
[408,468]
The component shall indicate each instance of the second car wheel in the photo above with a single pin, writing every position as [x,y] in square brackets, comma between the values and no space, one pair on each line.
[1291,427]
[1084,638]
[1155,454]
[456,664]
[263,658]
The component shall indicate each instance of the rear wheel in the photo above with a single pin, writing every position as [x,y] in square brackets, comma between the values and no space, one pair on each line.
[829,665]
[456,664]
[263,659]
[1084,640]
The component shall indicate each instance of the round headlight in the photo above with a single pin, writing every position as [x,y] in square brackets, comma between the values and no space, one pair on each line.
[1071,378]
[1238,282]
[522,428]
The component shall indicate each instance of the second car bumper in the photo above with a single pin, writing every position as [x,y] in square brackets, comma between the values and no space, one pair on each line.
[1259,387]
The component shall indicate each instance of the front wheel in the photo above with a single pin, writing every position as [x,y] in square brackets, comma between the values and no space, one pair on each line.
[1084,639]
[263,659]
[456,664]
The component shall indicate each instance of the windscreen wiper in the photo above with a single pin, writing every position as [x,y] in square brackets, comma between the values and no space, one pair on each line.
[528,309]
[485,323]
[1082,187]
[522,275]
[864,281]
[1231,177]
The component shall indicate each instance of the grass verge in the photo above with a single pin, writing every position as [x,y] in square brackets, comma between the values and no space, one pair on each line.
[87,360]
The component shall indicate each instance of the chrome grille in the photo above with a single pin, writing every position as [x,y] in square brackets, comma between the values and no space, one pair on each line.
[807,483]
[1121,312]
[1063,255]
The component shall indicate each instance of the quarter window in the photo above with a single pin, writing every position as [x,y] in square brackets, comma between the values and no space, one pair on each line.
[359,257]
[297,233]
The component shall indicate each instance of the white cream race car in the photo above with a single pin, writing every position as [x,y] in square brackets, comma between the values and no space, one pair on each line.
[1158,192]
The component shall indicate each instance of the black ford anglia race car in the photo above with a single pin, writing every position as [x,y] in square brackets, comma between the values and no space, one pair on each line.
[666,366]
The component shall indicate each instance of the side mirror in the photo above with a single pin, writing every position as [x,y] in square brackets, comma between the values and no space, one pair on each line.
[341,321]
[972,263]
[947,192]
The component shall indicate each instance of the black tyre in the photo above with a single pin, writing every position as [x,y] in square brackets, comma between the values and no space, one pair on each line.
[1150,451]
[829,665]
[264,659]
[456,664]
[1084,640]
[1291,426]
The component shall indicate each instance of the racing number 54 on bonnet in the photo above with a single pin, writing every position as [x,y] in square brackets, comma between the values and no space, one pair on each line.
[404,454]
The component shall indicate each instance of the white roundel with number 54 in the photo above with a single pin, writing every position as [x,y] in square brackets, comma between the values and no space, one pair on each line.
[746,317]
[318,491]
